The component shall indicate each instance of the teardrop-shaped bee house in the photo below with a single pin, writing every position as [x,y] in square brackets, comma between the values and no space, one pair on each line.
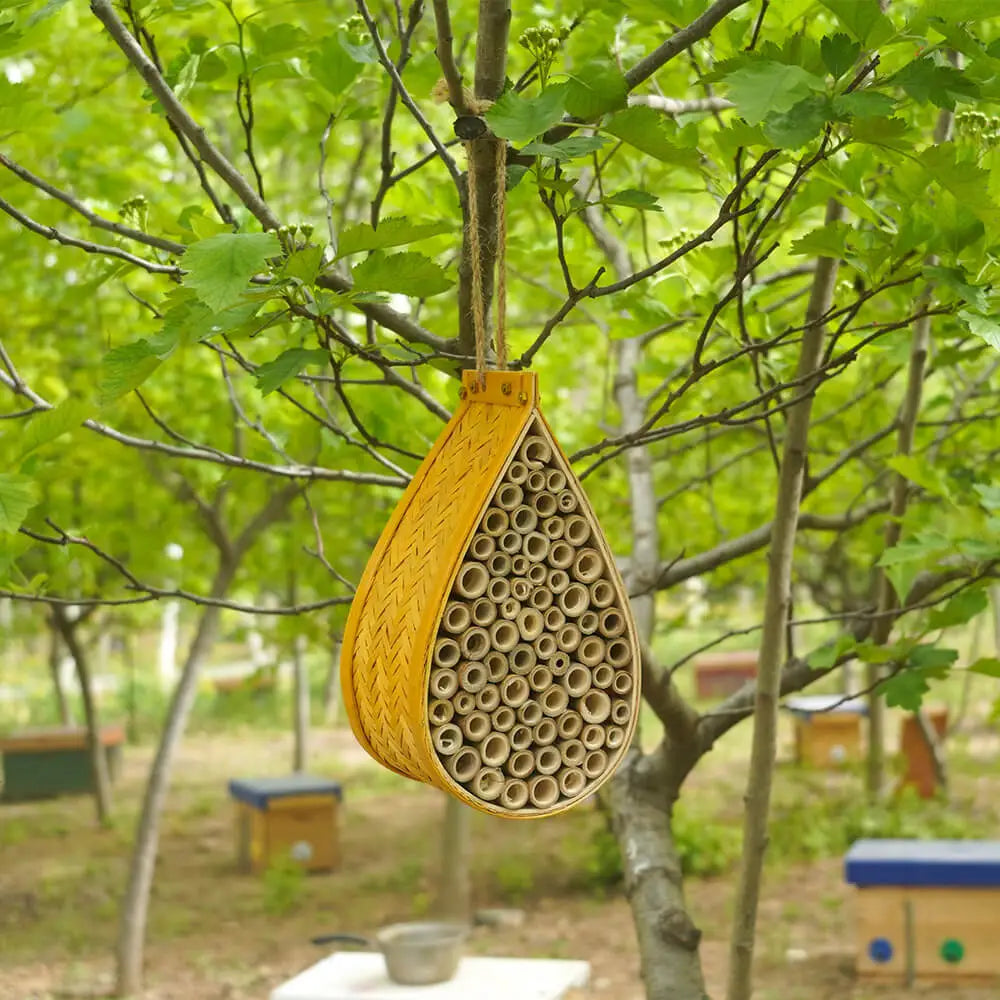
[490,649]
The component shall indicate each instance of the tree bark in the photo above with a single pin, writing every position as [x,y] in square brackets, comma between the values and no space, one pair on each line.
[55,661]
[777,603]
[331,688]
[454,897]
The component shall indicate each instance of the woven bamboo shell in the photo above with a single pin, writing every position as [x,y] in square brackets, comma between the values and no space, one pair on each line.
[399,655]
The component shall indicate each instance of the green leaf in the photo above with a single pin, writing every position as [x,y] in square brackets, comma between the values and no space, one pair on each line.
[273,374]
[220,268]
[125,368]
[961,608]
[906,690]
[826,656]
[985,327]
[45,427]
[764,87]
[800,124]
[595,90]
[932,659]
[827,241]
[634,198]
[304,264]
[650,132]
[921,472]
[17,497]
[520,119]
[839,53]
[863,19]
[407,273]
[864,104]
[927,82]
[333,67]
[988,666]
[392,231]
[567,149]
[50,8]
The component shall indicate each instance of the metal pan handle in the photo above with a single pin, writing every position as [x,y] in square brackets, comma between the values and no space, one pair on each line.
[361,942]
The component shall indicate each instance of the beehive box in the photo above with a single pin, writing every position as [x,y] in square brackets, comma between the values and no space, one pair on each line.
[918,762]
[719,674]
[926,911]
[827,729]
[294,816]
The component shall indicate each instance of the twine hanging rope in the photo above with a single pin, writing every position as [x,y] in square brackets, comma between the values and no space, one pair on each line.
[476,250]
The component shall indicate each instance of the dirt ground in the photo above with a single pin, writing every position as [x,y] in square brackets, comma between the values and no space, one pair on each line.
[218,935]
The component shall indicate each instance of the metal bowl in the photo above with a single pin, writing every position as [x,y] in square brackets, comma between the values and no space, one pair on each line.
[418,954]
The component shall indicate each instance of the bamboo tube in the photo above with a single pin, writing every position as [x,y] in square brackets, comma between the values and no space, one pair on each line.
[510,609]
[504,635]
[520,565]
[554,619]
[545,504]
[570,724]
[463,765]
[536,546]
[503,719]
[509,496]
[488,784]
[544,646]
[496,665]
[595,764]
[495,521]
[482,547]
[555,480]
[588,566]
[544,734]
[547,760]
[620,712]
[574,599]
[566,501]
[602,594]
[473,676]
[489,698]
[554,700]
[447,739]
[520,764]
[577,681]
[540,678]
[603,675]
[572,782]
[614,737]
[537,575]
[520,737]
[530,624]
[572,752]
[499,564]
[611,623]
[535,451]
[495,749]
[541,597]
[530,713]
[510,542]
[514,691]
[499,589]
[522,659]
[622,683]
[591,651]
[515,793]
[475,643]
[561,556]
[443,683]
[523,519]
[619,653]
[471,581]
[558,662]
[520,588]
[588,622]
[484,612]
[456,617]
[595,706]
[558,579]
[440,711]
[517,472]
[447,653]
[543,791]
[464,702]
[592,737]
[536,481]
[476,726]
[577,530]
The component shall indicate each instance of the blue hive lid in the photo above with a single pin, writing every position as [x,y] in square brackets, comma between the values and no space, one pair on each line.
[960,863]
[807,705]
[259,791]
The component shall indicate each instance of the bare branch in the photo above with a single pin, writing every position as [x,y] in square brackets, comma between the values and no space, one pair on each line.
[674,106]
[446,57]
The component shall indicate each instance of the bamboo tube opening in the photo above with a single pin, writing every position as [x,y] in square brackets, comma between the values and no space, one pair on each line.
[472,580]
[456,617]
[476,726]
[592,737]
[561,556]
[447,739]
[577,681]
[558,579]
[614,737]
[572,752]
[530,624]
[489,698]
[619,653]
[510,609]
[577,530]
[554,618]
[535,451]
[488,784]
[536,481]
[602,594]
[520,588]
[555,480]
[588,566]
[504,635]
[589,622]
[572,782]
[620,713]
[447,653]
[463,765]
[554,700]
[568,638]
[591,651]
[547,760]
[595,764]
[499,589]
[482,547]
[553,528]
[544,733]
[604,675]
[440,711]
[517,472]
[522,658]
[495,749]
[475,643]
[545,504]
[573,600]
[509,496]
[540,678]
[544,646]
[443,683]
[541,597]
[503,719]
[514,794]
[520,764]
[595,706]
[484,612]
[543,791]
[464,702]
[537,575]
[622,684]
[523,519]
[559,663]
[510,542]
[611,623]
[514,691]
[520,737]
[495,521]
[472,676]
[496,665]
[566,501]
[499,564]
[530,713]
[569,724]
[536,546]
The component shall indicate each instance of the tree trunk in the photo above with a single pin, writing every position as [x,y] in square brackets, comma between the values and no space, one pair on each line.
[331,687]
[454,898]
[55,661]
[167,652]
[301,694]
[777,603]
